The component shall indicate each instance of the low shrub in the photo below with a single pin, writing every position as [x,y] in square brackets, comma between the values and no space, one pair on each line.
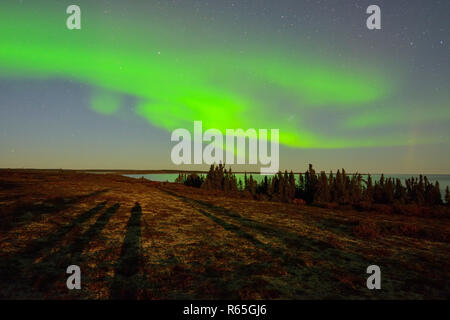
[367,230]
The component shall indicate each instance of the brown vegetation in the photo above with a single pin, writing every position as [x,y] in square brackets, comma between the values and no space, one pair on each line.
[138,239]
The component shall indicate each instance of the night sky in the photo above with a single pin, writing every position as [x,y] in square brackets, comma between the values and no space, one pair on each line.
[109,95]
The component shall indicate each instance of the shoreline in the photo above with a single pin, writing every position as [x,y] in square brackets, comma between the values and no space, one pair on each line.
[173,171]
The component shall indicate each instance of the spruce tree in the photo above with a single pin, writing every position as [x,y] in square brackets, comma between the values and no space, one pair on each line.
[388,191]
[369,189]
[339,187]
[291,193]
[301,187]
[310,184]
[252,185]
[447,196]
[323,192]
[331,185]
[420,191]
[437,194]
[399,192]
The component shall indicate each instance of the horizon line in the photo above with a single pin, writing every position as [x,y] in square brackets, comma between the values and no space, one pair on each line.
[156,171]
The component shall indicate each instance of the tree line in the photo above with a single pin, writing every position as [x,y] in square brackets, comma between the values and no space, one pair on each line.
[313,187]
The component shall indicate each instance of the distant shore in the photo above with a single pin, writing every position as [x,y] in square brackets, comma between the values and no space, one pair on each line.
[173,171]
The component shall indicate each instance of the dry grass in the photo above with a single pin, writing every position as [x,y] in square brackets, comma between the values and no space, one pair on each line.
[367,230]
[135,239]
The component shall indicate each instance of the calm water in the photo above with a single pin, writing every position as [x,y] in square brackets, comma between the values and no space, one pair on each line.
[443,179]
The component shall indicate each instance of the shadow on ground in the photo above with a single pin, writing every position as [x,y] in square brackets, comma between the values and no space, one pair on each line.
[126,276]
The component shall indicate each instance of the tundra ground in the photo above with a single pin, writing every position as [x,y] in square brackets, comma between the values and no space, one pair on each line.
[137,239]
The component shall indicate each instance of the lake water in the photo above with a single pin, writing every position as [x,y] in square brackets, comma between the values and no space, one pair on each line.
[443,179]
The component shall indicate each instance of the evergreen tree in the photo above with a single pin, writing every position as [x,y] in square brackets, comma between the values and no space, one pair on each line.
[300,192]
[447,196]
[285,196]
[388,191]
[345,187]
[181,178]
[208,183]
[399,192]
[265,184]
[419,191]
[355,189]
[429,194]
[281,187]
[437,194]
[193,180]
[339,187]
[245,181]
[331,187]
[270,191]
[368,196]
[291,186]
[310,184]
[251,185]
[322,193]
[219,178]
[378,190]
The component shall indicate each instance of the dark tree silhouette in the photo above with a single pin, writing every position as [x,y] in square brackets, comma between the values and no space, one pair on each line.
[318,188]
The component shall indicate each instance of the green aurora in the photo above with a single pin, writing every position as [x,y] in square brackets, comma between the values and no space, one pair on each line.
[178,77]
